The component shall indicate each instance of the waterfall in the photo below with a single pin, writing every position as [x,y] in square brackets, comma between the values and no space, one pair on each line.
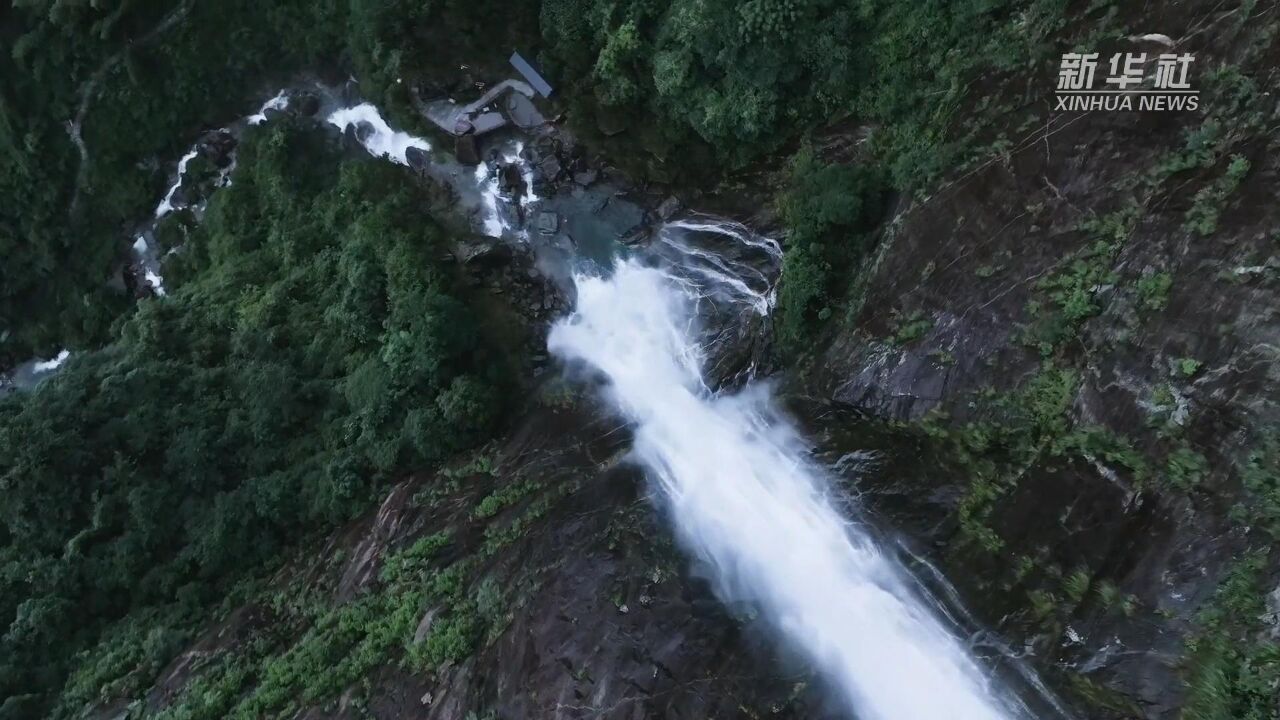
[746,499]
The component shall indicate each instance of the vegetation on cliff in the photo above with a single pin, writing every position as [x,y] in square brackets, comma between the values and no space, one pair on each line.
[314,347]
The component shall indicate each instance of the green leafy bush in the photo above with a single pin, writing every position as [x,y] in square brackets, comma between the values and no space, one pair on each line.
[1186,468]
[1233,666]
[1153,291]
[829,211]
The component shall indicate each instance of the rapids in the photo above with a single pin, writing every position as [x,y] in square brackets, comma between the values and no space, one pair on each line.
[745,497]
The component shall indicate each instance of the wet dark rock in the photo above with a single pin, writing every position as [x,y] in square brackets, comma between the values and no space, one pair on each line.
[738,346]
[510,181]
[486,252]
[186,193]
[550,167]
[619,179]
[133,282]
[306,104]
[417,158]
[972,260]
[636,234]
[585,178]
[217,147]
[364,561]
[351,138]
[350,93]
[119,281]
[611,620]
[465,150]
[668,208]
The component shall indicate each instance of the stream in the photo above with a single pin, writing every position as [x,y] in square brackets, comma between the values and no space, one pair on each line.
[736,478]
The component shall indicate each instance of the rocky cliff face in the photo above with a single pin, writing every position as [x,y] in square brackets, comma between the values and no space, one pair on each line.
[565,598]
[1090,317]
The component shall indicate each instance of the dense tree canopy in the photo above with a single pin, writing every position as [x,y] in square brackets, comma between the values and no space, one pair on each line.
[139,80]
[746,76]
[315,346]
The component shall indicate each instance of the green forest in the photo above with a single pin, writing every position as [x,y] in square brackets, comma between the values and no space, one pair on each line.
[316,343]
[316,347]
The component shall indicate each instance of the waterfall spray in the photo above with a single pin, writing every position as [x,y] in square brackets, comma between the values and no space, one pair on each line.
[746,499]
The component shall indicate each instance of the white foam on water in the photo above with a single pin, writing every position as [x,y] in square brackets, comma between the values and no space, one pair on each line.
[488,181]
[44,366]
[156,282]
[279,102]
[380,140]
[526,174]
[166,205]
[748,502]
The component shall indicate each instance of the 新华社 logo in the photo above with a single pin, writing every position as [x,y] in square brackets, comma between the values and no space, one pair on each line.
[1127,81]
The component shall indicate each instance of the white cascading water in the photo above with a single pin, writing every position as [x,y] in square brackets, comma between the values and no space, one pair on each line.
[746,499]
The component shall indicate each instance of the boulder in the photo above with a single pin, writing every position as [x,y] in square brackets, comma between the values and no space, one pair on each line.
[485,252]
[550,167]
[548,222]
[217,147]
[417,158]
[350,138]
[668,208]
[350,93]
[510,180]
[547,145]
[466,151]
[635,235]
[306,104]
